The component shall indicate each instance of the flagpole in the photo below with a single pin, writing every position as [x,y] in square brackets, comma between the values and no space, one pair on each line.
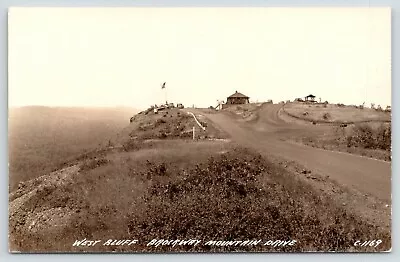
[165,94]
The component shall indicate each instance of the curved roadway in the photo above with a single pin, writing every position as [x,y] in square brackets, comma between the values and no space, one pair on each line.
[264,134]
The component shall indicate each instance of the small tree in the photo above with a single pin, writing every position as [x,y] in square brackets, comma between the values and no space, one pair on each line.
[373,105]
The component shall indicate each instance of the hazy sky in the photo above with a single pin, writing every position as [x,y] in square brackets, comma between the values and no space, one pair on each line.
[121,56]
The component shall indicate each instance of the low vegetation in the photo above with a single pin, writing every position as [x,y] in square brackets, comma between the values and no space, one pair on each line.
[247,198]
[156,182]
[169,124]
[367,137]
[199,190]
[352,129]
[335,113]
[370,140]
[246,111]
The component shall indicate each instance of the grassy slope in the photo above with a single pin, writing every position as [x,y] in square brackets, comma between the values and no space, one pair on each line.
[336,114]
[42,138]
[352,141]
[246,111]
[203,190]
[348,139]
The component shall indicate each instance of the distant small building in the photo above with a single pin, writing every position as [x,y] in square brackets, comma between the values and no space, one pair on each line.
[309,98]
[237,99]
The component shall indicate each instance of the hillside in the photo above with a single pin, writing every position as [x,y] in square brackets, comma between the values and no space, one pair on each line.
[154,181]
[360,131]
[42,138]
[335,113]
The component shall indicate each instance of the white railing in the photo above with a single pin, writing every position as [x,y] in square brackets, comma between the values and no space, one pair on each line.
[202,127]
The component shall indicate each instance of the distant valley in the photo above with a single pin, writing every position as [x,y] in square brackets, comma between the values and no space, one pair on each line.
[42,138]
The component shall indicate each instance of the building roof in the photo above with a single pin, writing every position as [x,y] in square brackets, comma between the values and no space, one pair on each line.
[310,96]
[237,95]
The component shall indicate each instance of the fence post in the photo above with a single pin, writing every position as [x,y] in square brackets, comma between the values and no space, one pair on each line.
[193,133]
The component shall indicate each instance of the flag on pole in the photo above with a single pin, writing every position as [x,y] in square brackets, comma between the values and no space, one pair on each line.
[163,86]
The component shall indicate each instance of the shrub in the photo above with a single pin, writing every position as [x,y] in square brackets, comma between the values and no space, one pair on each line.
[156,169]
[183,116]
[204,124]
[367,137]
[93,163]
[326,116]
[162,135]
[159,122]
[363,135]
[384,137]
[349,141]
[239,197]
[132,145]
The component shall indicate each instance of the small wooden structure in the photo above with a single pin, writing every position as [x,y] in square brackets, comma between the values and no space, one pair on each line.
[309,98]
[237,99]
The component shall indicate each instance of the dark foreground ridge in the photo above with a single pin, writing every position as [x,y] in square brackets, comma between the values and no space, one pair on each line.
[239,195]
[234,195]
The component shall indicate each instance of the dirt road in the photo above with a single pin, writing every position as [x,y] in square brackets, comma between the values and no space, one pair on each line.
[369,176]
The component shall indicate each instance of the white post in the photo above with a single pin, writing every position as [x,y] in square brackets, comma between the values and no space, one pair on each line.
[193,133]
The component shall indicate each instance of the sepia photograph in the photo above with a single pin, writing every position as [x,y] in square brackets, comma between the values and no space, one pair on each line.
[199,129]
